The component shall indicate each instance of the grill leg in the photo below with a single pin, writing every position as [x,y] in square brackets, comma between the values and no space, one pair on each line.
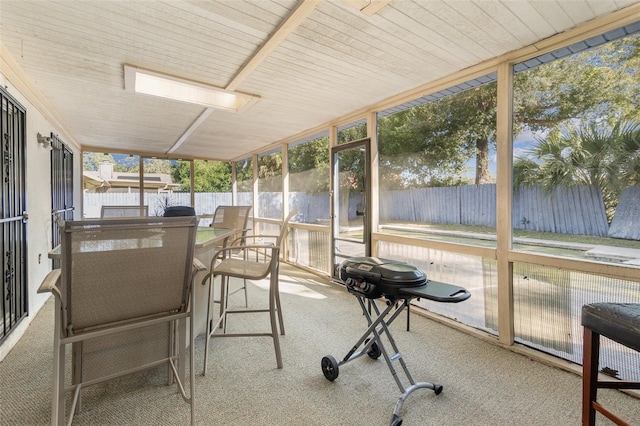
[373,336]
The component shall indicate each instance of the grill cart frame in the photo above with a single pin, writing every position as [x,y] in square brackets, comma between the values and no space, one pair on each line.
[370,278]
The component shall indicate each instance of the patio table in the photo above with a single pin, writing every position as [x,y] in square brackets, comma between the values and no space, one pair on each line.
[205,238]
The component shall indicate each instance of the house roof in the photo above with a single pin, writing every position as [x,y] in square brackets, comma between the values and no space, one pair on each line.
[93,179]
[310,62]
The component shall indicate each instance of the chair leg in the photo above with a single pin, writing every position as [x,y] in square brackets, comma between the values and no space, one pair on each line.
[180,338]
[273,301]
[246,295]
[192,374]
[58,403]
[76,374]
[224,301]
[590,363]
[208,326]
[224,296]
[58,412]
[278,304]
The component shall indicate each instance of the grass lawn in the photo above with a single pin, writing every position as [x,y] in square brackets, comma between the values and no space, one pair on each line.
[461,230]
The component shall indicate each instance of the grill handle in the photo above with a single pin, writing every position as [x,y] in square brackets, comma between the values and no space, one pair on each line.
[362,274]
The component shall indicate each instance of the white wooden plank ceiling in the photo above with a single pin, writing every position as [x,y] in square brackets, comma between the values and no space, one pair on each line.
[311,62]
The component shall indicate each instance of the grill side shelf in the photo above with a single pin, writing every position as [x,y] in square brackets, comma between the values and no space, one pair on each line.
[440,292]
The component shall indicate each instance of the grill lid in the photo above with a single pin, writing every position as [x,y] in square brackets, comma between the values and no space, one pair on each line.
[382,271]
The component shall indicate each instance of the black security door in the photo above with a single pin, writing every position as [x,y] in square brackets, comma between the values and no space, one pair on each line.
[61,187]
[13,214]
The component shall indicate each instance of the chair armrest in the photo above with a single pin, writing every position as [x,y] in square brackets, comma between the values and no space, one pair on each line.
[253,237]
[221,254]
[243,234]
[198,266]
[50,283]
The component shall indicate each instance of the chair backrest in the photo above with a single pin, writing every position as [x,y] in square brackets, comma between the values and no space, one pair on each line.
[279,243]
[232,217]
[125,270]
[123,211]
[285,227]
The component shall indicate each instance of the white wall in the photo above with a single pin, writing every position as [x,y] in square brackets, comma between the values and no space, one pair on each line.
[38,184]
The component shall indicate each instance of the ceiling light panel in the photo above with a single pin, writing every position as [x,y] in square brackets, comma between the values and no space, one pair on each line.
[137,80]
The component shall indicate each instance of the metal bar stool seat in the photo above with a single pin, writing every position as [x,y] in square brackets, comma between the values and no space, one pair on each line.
[619,322]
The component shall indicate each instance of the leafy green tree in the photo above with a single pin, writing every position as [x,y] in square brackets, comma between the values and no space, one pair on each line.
[130,163]
[421,146]
[437,138]
[309,166]
[244,175]
[352,133]
[351,164]
[270,172]
[91,160]
[209,176]
[156,165]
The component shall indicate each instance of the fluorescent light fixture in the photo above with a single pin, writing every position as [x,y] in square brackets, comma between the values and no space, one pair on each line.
[138,80]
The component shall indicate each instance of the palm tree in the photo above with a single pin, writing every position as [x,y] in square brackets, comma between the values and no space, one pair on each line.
[594,154]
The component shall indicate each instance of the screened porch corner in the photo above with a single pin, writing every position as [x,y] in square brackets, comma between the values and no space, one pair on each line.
[494,145]
[484,384]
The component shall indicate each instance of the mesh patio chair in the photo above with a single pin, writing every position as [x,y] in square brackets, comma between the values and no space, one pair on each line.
[123,295]
[248,267]
[237,219]
[123,211]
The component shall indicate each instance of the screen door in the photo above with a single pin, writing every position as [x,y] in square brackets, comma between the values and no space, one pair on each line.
[351,198]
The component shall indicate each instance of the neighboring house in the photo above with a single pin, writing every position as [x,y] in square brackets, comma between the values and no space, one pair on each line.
[106,180]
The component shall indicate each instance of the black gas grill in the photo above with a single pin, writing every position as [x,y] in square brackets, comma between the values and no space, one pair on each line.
[370,278]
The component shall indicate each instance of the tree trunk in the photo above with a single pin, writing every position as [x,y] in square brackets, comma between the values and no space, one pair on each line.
[482,162]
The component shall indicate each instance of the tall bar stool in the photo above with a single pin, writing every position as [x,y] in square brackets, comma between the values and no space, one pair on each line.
[619,322]
[227,266]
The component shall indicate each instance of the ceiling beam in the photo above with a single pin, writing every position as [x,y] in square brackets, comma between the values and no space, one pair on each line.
[205,114]
[286,27]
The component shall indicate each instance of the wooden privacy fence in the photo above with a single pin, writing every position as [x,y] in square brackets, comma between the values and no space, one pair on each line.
[566,210]
[626,220]
[206,202]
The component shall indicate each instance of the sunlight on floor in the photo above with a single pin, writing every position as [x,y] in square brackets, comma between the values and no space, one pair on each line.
[290,286]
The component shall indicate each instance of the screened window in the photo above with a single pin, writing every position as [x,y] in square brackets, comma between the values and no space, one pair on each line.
[211,187]
[352,131]
[109,180]
[576,162]
[166,183]
[309,195]
[576,169]
[244,182]
[309,180]
[270,185]
[437,165]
